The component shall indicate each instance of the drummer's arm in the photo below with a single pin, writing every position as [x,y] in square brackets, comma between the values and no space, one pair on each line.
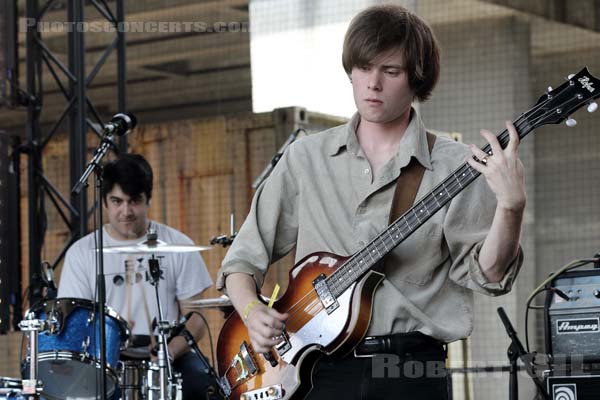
[194,325]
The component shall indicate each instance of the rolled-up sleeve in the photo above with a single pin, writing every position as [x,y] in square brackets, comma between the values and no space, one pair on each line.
[494,288]
[467,224]
[270,229]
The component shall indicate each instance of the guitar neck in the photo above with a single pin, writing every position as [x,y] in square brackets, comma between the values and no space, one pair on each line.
[362,261]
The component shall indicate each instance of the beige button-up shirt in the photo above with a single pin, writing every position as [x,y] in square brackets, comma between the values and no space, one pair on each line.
[322,196]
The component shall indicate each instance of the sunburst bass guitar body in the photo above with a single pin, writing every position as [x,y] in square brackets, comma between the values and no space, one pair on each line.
[314,327]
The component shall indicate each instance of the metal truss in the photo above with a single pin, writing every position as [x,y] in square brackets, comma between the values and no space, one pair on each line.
[80,112]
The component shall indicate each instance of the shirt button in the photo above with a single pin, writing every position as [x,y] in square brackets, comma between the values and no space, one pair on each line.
[366,171]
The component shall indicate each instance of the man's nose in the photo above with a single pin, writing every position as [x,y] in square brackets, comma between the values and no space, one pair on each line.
[127,208]
[374,81]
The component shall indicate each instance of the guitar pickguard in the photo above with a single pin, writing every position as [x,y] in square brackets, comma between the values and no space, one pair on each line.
[322,329]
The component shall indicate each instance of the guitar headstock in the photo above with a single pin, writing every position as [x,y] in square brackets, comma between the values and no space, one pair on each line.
[558,104]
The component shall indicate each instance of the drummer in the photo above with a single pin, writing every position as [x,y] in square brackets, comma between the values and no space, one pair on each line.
[127,191]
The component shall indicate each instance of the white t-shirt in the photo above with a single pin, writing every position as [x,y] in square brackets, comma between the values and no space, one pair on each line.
[128,289]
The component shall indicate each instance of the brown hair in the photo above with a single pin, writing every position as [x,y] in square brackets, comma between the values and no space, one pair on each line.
[381,28]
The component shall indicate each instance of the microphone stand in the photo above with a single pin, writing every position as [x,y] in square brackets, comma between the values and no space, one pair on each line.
[164,365]
[94,166]
[514,352]
[209,370]
[267,170]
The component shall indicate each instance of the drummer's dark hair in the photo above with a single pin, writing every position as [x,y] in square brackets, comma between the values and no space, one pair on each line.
[131,172]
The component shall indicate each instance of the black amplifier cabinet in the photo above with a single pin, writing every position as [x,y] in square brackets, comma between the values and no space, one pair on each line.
[578,387]
[572,327]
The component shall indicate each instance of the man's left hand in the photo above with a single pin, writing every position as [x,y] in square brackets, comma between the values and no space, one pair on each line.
[503,170]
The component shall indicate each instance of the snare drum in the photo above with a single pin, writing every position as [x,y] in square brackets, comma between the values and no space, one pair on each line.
[69,357]
[140,380]
[132,379]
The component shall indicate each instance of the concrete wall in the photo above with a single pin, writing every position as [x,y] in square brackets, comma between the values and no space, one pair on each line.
[485,81]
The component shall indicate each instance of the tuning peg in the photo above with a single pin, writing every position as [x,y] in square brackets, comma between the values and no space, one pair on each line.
[549,89]
[593,106]
[571,122]
[570,76]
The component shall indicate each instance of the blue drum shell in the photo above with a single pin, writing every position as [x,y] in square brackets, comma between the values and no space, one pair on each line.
[78,330]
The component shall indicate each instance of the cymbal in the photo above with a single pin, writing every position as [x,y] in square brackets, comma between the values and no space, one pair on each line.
[154,247]
[222,301]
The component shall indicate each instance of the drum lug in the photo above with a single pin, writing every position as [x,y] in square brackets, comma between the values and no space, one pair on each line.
[85,345]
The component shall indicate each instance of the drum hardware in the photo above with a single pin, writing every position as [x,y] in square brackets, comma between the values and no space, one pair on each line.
[168,384]
[222,301]
[11,388]
[33,386]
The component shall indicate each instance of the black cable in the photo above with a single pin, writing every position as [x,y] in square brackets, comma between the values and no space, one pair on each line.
[527,308]
[210,340]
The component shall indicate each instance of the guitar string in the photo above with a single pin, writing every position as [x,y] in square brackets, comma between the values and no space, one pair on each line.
[311,299]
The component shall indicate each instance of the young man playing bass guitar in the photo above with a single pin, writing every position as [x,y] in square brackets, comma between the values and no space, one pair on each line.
[333,192]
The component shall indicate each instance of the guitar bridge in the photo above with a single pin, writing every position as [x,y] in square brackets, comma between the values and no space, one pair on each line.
[242,367]
[329,302]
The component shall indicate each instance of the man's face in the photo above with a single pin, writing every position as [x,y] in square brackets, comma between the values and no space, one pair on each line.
[127,216]
[381,90]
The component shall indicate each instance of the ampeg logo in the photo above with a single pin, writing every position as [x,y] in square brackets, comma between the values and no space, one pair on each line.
[585,82]
[582,325]
[564,391]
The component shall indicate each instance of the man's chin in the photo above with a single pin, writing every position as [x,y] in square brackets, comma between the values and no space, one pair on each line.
[128,234]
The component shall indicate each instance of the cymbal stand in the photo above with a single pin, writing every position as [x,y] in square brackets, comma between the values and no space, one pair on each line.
[32,387]
[164,327]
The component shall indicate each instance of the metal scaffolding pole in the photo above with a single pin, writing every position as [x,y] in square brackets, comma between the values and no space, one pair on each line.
[78,107]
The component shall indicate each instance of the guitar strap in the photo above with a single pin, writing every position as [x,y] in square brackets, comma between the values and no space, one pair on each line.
[408,184]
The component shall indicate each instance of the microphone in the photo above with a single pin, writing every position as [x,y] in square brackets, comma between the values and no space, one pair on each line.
[265,173]
[120,124]
[175,331]
[179,327]
[510,330]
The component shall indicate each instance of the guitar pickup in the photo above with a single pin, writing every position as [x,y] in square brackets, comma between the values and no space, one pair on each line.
[329,302]
[284,346]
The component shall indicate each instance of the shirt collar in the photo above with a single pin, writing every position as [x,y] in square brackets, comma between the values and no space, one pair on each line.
[413,144]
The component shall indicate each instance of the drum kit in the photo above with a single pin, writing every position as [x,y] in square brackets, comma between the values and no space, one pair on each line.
[63,352]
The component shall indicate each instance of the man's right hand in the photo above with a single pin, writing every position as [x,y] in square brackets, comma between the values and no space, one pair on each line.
[265,327]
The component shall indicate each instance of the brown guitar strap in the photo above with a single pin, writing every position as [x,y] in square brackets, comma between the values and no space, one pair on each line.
[408,184]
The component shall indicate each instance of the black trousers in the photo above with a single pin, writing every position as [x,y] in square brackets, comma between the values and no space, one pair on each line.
[420,375]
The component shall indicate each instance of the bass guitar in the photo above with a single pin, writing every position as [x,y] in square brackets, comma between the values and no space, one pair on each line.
[329,299]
